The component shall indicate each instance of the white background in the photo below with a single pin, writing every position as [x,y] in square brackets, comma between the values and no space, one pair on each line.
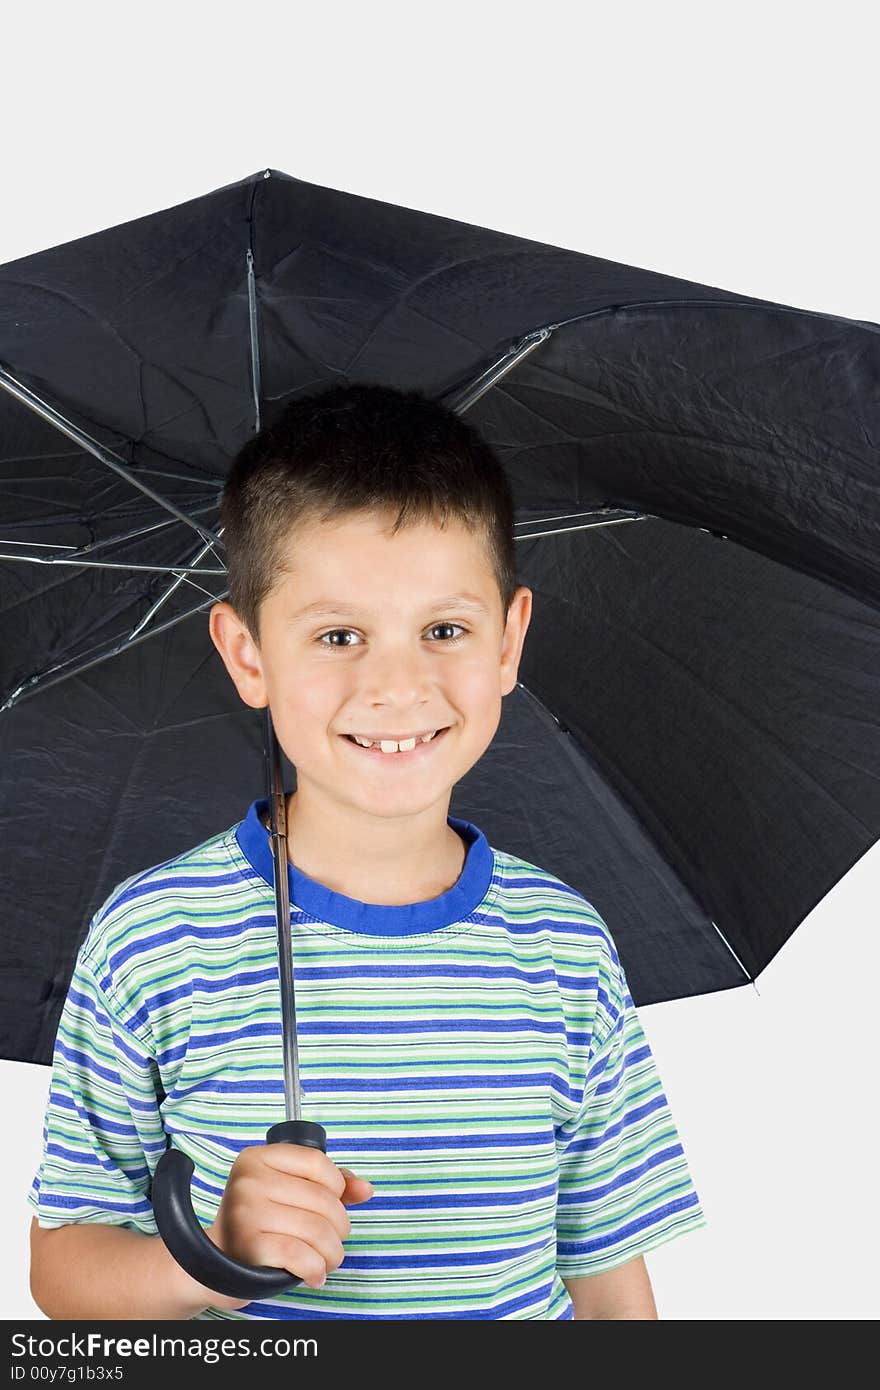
[734,145]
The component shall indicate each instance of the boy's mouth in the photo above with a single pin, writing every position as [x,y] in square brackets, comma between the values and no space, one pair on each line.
[402,755]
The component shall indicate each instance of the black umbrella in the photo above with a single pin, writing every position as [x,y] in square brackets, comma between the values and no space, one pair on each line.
[693,741]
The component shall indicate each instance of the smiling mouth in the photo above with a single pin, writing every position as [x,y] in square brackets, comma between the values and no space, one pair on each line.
[402,755]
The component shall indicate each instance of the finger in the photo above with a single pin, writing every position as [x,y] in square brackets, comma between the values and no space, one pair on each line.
[356,1189]
[294,1195]
[302,1161]
[307,1259]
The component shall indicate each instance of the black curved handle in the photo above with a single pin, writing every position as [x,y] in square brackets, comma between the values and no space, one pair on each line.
[186,1239]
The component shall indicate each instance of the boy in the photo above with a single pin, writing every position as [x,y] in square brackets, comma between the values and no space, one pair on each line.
[466,1035]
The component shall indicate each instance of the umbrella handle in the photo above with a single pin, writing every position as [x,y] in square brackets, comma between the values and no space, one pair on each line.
[187,1240]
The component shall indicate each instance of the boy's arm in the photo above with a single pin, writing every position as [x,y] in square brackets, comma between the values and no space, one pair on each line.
[86,1270]
[622,1292]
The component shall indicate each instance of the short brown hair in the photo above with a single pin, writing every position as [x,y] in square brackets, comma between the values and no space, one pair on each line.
[353,449]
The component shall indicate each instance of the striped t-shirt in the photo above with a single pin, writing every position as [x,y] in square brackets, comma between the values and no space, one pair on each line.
[476,1056]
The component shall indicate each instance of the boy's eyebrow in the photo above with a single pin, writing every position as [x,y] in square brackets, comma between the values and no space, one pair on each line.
[338,607]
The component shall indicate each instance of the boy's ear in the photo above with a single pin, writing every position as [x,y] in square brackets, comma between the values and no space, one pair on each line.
[240,654]
[518,618]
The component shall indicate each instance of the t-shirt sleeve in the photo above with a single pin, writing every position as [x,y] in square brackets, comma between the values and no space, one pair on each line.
[102,1120]
[624,1184]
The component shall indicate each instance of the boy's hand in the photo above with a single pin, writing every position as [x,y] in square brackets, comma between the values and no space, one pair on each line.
[283,1206]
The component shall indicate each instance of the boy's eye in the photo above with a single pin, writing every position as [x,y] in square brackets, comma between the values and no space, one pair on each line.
[447,642]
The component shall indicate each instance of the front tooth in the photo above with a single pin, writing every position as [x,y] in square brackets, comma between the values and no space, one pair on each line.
[389,745]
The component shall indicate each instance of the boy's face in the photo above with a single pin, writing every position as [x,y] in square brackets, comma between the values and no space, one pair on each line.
[382,662]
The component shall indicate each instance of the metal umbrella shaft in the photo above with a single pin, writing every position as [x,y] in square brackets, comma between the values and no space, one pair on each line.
[278,832]
[178,1224]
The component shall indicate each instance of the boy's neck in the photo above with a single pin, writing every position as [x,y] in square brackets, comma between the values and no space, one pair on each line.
[389,889]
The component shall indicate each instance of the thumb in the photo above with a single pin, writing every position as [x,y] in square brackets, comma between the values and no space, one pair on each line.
[356,1189]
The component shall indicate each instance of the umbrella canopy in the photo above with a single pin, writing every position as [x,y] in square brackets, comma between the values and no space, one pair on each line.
[693,741]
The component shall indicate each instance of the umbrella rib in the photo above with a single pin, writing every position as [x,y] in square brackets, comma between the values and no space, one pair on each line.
[461,400]
[735,957]
[563,728]
[141,531]
[254,335]
[76,665]
[105,564]
[713,304]
[104,455]
[560,516]
[172,588]
[183,578]
[178,477]
[91,546]
[586,526]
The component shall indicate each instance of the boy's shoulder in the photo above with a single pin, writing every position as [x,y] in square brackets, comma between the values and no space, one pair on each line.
[588,970]
[536,895]
[529,879]
[147,908]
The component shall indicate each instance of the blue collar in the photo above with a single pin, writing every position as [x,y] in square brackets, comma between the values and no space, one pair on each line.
[321,903]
